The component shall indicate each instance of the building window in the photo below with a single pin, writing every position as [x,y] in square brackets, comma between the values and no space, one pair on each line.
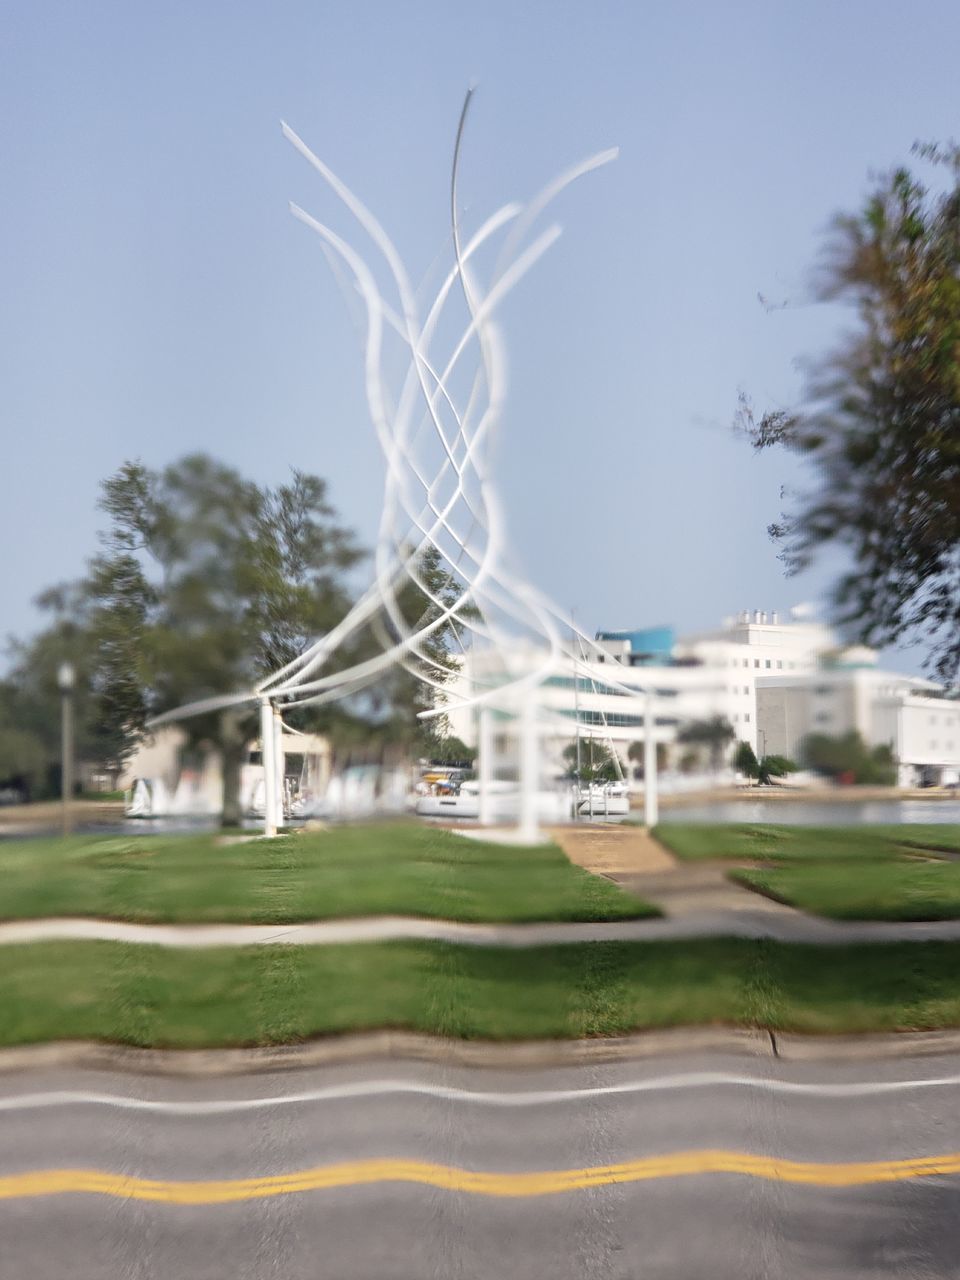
[823,717]
[767,664]
[779,665]
[823,690]
[746,690]
[745,662]
[746,718]
[756,662]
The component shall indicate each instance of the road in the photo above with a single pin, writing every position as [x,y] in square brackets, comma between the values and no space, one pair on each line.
[384,1147]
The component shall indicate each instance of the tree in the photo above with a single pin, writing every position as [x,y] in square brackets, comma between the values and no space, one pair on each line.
[847,758]
[881,422]
[30,699]
[449,750]
[23,762]
[636,755]
[205,583]
[745,760]
[774,767]
[597,763]
[714,734]
[401,695]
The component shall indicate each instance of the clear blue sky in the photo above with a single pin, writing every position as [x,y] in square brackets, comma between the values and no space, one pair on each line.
[157,297]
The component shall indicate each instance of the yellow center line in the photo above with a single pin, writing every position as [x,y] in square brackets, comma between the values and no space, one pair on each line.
[50,1182]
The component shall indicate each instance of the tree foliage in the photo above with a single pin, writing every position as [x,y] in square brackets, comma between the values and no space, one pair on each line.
[774,766]
[206,582]
[848,758]
[636,754]
[596,761]
[745,760]
[714,734]
[881,421]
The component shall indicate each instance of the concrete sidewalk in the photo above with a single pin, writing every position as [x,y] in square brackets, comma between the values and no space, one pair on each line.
[759,923]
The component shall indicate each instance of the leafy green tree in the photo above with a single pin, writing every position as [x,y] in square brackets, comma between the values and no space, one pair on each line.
[881,422]
[774,766]
[847,758]
[205,583]
[714,734]
[396,701]
[745,760]
[23,762]
[30,697]
[449,750]
[596,761]
[635,754]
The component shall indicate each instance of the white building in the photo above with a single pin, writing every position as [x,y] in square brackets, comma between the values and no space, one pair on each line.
[774,680]
[909,715]
[749,648]
[713,674]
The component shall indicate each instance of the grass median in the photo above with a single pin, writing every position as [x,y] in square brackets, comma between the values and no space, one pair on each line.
[395,868]
[149,996]
[882,872]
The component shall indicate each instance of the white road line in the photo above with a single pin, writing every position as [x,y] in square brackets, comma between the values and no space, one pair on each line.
[525,1098]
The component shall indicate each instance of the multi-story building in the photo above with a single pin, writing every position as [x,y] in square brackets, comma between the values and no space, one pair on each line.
[848,692]
[774,680]
[696,678]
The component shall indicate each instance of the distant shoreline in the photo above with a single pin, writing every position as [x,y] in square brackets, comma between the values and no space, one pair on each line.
[45,814]
[811,795]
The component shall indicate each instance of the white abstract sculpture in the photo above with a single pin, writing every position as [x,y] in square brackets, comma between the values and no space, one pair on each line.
[435,423]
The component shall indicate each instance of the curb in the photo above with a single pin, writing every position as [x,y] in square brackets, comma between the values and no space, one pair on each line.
[408,1046]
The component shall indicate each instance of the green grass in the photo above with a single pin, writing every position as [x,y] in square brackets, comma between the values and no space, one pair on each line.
[882,872]
[749,842]
[248,996]
[845,891]
[399,868]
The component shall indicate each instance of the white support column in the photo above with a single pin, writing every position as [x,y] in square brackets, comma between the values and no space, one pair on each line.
[485,764]
[529,829]
[268,745]
[279,767]
[650,815]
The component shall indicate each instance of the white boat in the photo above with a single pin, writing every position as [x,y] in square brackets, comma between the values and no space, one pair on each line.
[604,800]
[552,806]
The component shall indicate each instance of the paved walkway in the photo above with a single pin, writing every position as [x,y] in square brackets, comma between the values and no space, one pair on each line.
[756,923]
[613,851]
[693,888]
[633,859]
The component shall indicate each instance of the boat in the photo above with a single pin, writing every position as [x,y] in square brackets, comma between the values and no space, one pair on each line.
[464,802]
[604,800]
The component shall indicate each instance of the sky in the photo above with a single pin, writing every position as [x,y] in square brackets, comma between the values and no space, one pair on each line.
[157,298]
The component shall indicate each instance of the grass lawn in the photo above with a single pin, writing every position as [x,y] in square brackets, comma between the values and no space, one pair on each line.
[888,872]
[887,890]
[749,842]
[246,996]
[398,868]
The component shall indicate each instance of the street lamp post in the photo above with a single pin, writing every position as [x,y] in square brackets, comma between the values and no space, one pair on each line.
[66,679]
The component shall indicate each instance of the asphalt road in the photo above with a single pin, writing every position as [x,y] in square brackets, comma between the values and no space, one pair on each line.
[657,1144]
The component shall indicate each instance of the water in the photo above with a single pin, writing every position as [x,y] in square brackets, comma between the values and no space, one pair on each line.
[818,813]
